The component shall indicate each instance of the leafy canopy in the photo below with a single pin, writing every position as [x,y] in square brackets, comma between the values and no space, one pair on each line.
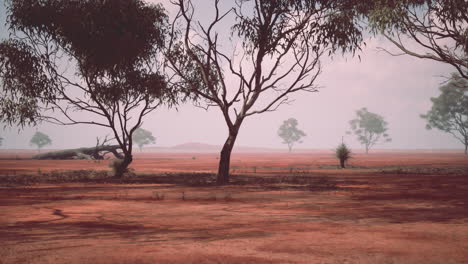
[289,132]
[143,137]
[439,28]
[449,111]
[40,140]
[110,45]
[106,35]
[369,128]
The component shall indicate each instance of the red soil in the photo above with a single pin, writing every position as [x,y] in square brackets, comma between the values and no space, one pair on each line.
[240,162]
[371,217]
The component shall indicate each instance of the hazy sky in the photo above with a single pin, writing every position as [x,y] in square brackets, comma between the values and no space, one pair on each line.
[398,88]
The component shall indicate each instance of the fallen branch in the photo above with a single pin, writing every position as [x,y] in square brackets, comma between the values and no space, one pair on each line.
[81,153]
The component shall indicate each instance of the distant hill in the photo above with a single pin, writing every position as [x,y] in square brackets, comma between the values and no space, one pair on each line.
[196,146]
[203,147]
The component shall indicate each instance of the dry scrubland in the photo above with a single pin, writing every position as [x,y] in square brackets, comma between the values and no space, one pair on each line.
[387,207]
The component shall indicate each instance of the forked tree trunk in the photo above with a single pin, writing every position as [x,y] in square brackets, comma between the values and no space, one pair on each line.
[225,158]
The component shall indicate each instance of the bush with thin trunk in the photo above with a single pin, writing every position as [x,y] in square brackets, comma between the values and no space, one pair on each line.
[343,153]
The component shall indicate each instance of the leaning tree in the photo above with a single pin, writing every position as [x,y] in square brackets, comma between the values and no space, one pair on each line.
[369,128]
[91,62]
[271,51]
[429,29]
[449,111]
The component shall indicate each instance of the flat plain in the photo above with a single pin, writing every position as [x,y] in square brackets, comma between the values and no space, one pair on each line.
[386,207]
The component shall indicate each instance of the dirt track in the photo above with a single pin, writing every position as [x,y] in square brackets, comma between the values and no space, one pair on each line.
[366,216]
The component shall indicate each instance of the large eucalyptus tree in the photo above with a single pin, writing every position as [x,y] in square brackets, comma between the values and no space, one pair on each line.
[84,62]
[254,54]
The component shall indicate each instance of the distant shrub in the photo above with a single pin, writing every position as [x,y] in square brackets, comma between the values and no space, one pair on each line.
[194,158]
[343,153]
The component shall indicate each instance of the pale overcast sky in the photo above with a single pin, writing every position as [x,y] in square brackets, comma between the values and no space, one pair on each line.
[398,88]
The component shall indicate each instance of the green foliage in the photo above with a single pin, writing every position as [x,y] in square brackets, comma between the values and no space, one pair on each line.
[102,58]
[87,29]
[143,137]
[438,27]
[25,86]
[449,111]
[369,128]
[289,132]
[40,140]
[333,24]
[343,153]
[112,46]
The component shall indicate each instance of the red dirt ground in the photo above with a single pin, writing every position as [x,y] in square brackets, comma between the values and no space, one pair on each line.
[378,213]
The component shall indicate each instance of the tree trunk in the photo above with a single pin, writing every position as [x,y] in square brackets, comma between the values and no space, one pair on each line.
[342,163]
[290,148]
[466,148]
[122,165]
[225,158]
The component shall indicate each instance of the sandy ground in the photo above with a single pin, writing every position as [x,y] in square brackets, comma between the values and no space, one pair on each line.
[368,216]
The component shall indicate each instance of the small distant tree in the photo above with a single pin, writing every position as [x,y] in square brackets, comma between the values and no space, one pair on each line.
[289,132]
[343,153]
[143,137]
[449,111]
[369,128]
[40,140]
[1,140]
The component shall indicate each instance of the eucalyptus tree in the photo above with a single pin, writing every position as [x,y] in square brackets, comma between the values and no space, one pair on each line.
[90,62]
[143,137]
[369,128]
[289,132]
[449,111]
[40,140]
[253,55]
[427,29]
